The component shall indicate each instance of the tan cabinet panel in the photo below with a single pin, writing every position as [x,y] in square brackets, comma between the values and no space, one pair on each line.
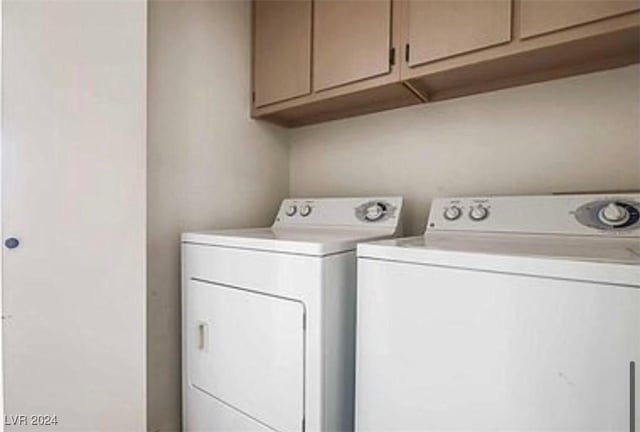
[543,16]
[352,39]
[443,28]
[282,50]
[340,66]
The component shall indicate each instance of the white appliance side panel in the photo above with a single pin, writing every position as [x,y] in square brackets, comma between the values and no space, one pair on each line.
[338,342]
[458,350]
[247,349]
[205,414]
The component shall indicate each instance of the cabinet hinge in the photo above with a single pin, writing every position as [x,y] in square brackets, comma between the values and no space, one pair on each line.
[392,56]
[406,53]
[253,96]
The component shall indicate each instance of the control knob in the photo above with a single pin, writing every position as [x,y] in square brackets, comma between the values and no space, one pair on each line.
[479,212]
[291,210]
[375,212]
[452,213]
[305,210]
[613,214]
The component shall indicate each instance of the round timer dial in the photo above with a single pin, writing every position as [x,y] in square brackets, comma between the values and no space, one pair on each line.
[375,212]
[613,214]
[607,215]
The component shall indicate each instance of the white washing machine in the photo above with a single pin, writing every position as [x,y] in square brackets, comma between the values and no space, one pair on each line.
[269,317]
[510,314]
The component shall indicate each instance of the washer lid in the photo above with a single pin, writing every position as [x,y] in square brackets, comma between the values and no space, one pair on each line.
[305,241]
[613,260]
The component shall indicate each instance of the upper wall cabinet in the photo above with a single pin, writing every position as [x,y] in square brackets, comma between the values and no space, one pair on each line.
[353,70]
[282,50]
[318,60]
[438,29]
[538,17]
[351,41]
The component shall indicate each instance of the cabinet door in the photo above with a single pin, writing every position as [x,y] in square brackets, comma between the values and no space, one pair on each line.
[282,50]
[352,39]
[542,16]
[438,29]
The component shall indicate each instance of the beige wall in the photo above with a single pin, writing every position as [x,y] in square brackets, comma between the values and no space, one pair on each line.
[74,192]
[575,134]
[210,165]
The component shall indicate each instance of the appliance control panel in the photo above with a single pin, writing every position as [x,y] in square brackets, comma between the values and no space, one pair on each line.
[607,214]
[370,213]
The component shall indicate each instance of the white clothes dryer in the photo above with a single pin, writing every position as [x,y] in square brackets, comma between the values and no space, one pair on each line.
[269,317]
[509,314]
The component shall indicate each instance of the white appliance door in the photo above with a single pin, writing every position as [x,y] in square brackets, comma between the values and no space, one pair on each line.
[246,349]
[457,350]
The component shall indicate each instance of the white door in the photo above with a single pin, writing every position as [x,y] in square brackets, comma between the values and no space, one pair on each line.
[73,215]
[246,349]
[456,350]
